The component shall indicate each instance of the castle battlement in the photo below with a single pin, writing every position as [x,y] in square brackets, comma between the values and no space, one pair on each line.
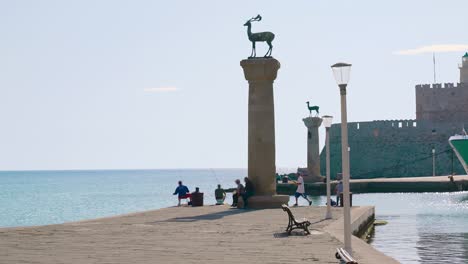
[395,123]
[439,86]
[381,124]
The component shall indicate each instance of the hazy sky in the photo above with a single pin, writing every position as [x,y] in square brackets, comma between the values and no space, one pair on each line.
[157,84]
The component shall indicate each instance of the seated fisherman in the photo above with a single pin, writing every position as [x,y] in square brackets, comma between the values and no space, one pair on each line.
[238,192]
[183,193]
[248,191]
[220,195]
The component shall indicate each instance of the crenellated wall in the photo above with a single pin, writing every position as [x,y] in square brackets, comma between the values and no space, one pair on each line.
[394,148]
[442,103]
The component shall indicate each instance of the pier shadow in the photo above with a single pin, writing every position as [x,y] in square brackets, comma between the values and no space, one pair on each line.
[319,221]
[206,217]
[301,233]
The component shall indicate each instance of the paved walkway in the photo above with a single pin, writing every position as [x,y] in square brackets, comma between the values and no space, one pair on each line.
[209,234]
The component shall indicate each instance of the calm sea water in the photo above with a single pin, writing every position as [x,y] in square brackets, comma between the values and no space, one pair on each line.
[422,228]
[49,197]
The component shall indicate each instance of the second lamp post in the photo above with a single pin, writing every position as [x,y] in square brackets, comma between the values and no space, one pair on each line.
[327,122]
[341,72]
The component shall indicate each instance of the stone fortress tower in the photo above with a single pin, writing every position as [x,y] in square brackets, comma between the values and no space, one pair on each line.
[444,103]
[464,69]
[403,148]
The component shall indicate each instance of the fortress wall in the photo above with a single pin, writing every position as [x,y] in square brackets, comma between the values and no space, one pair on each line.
[442,102]
[394,148]
[403,148]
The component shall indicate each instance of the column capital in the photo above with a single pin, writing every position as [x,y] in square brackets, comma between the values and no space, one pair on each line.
[260,69]
[311,122]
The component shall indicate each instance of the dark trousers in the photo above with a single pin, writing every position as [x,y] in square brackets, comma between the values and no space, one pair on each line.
[235,198]
[245,197]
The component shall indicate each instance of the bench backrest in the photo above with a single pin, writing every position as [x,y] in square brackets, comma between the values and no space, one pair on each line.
[287,210]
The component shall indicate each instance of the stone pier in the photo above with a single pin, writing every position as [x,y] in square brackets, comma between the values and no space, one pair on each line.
[313,150]
[261,73]
[189,235]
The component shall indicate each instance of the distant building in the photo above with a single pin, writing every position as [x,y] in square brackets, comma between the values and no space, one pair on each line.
[403,148]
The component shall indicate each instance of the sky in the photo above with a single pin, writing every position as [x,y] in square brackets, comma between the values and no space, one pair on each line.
[148,84]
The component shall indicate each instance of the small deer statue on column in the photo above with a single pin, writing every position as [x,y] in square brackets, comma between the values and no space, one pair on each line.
[312,108]
[259,37]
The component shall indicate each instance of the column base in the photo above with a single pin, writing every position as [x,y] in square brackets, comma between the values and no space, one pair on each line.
[313,179]
[265,201]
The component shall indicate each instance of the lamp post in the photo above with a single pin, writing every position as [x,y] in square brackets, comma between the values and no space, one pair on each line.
[341,72]
[327,122]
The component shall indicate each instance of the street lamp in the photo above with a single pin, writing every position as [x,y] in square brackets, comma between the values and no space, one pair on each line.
[341,72]
[327,122]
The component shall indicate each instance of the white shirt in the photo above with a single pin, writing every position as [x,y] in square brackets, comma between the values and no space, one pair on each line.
[300,187]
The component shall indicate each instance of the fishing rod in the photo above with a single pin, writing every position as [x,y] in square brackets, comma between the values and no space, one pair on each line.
[214,173]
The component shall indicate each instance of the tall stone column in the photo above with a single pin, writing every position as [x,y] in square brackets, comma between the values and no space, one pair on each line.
[313,149]
[260,73]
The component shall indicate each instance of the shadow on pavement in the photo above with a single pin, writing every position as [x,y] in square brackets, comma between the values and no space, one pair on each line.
[205,217]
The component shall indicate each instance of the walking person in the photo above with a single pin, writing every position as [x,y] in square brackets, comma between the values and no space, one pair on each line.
[300,191]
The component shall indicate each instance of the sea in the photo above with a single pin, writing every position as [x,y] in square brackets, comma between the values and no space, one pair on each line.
[421,228]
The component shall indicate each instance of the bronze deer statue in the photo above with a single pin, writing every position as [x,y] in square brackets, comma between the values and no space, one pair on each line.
[313,108]
[259,37]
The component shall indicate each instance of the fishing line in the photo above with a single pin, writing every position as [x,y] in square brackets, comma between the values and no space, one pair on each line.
[212,171]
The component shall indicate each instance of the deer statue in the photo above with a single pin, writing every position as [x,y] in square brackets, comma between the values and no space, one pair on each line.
[312,108]
[259,37]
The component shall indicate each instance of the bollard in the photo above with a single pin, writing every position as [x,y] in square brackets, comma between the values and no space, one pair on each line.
[197,197]
[350,199]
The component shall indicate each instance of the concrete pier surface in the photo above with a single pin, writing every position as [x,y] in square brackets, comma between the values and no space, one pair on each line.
[209,234]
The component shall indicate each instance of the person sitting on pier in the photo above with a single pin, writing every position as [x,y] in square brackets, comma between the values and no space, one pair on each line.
[248,191]
[183,193]
[220,195]
[300,191]
[238,192]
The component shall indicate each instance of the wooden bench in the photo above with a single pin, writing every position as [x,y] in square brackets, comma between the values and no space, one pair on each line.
[344,256]
[293,224]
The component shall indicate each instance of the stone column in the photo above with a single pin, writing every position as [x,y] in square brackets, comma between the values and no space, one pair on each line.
[260,73]
[313,150]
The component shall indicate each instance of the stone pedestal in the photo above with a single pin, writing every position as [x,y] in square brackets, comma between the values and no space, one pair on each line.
[313,150]
[260,73]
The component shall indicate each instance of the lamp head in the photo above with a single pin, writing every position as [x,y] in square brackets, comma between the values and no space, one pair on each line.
[327,121]
[341,71]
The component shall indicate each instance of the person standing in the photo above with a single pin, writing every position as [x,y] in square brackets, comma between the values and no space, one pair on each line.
[249,191]
[339,191]
[183,193]
[300,191]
